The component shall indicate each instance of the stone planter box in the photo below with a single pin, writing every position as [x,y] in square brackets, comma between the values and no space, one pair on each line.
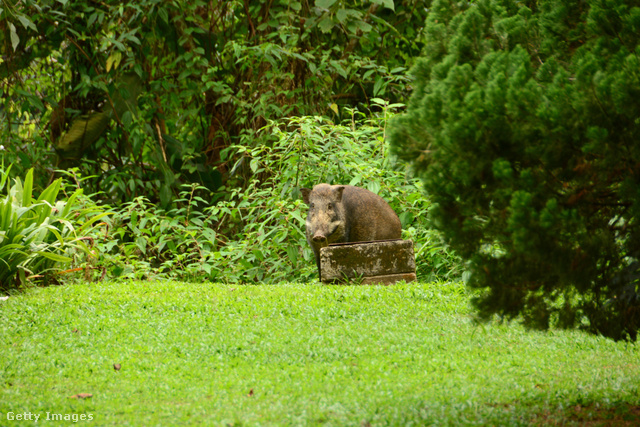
[382,262]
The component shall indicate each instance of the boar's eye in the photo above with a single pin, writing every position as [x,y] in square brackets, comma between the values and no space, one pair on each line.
[312,205]
[329,206]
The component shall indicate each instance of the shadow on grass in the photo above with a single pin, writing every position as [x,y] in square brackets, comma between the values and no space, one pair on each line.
[594,414]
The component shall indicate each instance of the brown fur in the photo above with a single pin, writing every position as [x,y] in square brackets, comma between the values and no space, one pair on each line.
[344,213]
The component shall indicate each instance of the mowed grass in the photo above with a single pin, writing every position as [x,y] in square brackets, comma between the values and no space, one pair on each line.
[298,354]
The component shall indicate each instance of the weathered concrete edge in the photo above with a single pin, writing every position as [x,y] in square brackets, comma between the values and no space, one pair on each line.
[367,259]
[385,280]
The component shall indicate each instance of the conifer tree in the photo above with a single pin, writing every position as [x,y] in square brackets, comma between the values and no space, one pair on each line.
[524,124]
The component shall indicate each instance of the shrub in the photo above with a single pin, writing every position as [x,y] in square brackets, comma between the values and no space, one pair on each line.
[257,233]
[524,127]
[39,237]
[143,96]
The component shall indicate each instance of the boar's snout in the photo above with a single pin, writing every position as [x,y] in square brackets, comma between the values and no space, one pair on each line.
[317,237]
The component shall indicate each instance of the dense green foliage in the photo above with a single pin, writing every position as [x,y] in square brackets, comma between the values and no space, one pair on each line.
[300,355]
[257,234]
[182,119]
[524,125]
[144,96]
[39,235]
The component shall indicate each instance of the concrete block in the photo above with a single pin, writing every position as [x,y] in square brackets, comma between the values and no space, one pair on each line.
[381,262]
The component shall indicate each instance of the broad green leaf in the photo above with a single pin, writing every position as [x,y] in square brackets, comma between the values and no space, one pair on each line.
[92,19]
[246,264]
[82,246]
[54,257]
[9,218]
[42,211]
[129,36]
[368,74]
[127,119]
[258,254]
[141,243]
[389,4]
[254,164]
[296,215]
[325,4]
[374,187]
[209,234]
[92,222]
[50,194]
[70,203]
[163,14]
[292,252]
[68,225]
[26,22]
[27,189]
[6,214]
[119,45]
[363,26]
[4,176]
[326,24]
[406,218]
[84,131]
[114,60]
[15,40]
[342,15]
[336,65]
[11,248]
[378,87]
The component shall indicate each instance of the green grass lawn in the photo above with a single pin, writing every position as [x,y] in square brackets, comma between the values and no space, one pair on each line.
[292,354]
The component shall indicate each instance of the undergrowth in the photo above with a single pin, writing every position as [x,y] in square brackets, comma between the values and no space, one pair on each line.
[40,235]
[253,230]
[256,233]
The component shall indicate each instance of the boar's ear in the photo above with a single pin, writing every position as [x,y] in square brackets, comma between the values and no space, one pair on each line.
[305,194]
[338,192]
